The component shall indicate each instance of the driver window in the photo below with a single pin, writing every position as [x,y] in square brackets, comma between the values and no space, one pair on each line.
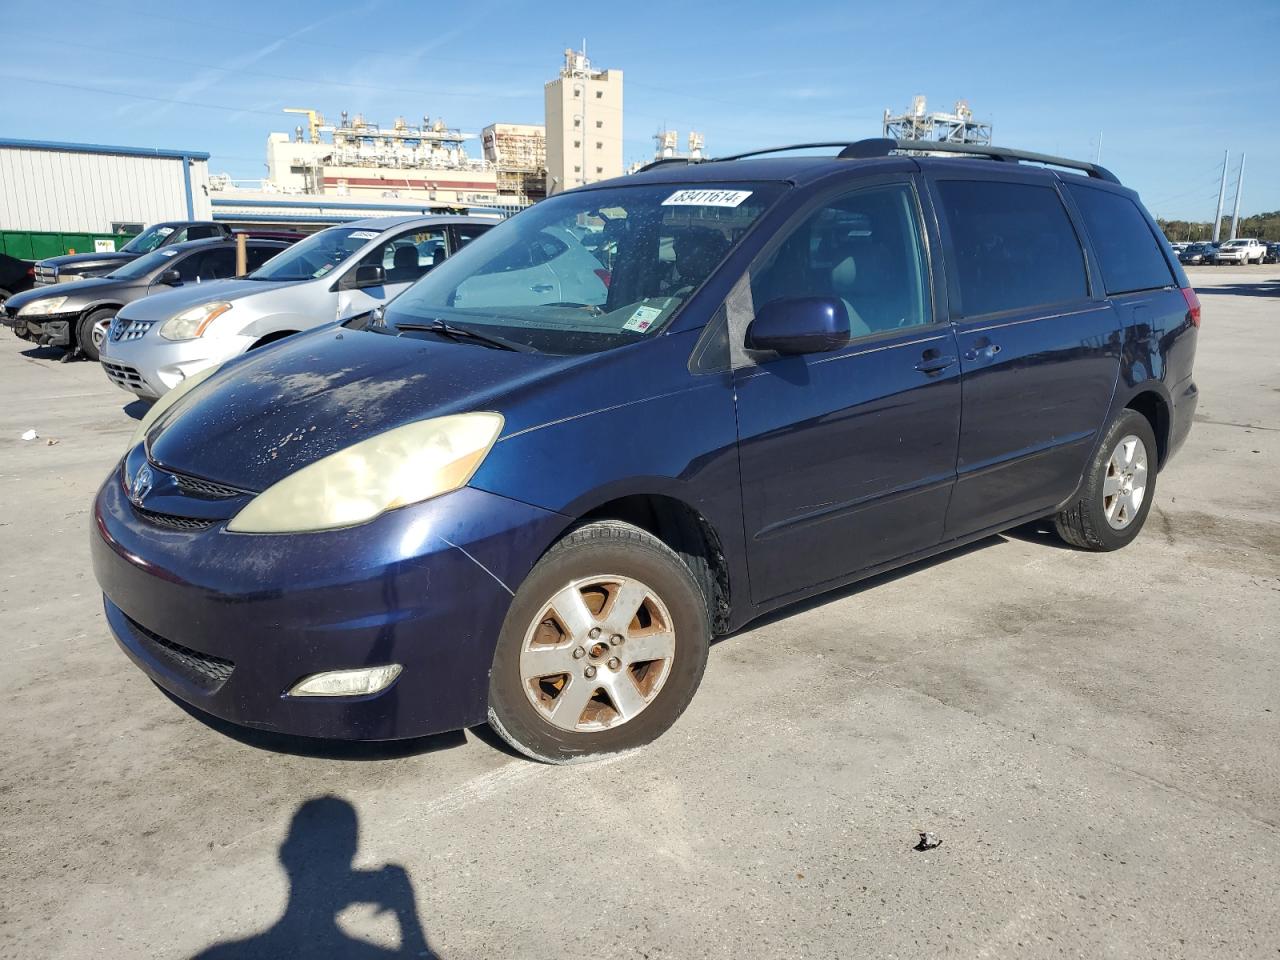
[407,257]
[864,249]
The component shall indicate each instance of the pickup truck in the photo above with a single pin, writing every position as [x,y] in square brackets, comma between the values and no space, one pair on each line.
[1241,251]
[78,266]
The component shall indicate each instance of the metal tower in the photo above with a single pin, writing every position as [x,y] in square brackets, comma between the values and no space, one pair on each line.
[918,124]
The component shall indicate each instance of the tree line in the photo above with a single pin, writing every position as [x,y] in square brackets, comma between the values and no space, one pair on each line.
[1263,226]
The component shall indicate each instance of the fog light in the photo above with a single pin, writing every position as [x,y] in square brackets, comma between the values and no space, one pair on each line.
[347,683]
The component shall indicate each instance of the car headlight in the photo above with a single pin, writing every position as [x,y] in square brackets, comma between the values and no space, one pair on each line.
[193,321]
[70,277]
[42,307]
[167,401]
[405,465]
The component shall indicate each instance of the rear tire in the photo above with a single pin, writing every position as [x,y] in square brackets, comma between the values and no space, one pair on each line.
[576,674]
[1118,488]
[91,332]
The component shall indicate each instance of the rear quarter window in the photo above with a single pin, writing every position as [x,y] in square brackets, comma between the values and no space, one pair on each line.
[1128,252]
[1015,248]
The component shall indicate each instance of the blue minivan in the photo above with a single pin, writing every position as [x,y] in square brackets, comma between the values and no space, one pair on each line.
[635,417]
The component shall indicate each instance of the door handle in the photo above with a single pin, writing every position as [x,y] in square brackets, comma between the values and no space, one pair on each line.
[542,287]
[982,349]
[933,361]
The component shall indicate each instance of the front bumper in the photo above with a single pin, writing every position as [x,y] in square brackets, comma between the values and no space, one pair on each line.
[229,622]
[150,366]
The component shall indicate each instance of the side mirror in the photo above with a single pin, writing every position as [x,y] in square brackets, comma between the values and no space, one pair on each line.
[366,275]
[800,325]
[170,278]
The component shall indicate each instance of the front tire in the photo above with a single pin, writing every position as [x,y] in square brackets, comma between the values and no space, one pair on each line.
[603,647]
[1118,488]
[91,331]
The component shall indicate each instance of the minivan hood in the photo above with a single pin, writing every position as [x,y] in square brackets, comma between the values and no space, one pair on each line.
[162,306]
[271,412]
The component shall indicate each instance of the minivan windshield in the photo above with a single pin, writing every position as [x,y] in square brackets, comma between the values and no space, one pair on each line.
[587,270]
[135,269]
[148,239]
[316,256]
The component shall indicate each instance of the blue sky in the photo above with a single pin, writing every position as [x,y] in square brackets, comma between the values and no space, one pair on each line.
[1169,86]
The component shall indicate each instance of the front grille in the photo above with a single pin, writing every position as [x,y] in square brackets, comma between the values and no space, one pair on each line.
[173,521]
[122,329]
[123,375]
[46,275]
[197,487]
[203,669]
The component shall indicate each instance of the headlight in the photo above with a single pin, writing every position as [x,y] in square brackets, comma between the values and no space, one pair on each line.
[406,465]
[70,277]
[167,401]
[41,308]
[193,322]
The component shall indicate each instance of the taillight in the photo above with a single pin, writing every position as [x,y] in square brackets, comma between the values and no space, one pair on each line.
[31,270]
[604,275]
[1193,305]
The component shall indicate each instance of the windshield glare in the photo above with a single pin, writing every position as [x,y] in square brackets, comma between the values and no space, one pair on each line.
[147,240]
[315,256]
[144,265]
[588,270]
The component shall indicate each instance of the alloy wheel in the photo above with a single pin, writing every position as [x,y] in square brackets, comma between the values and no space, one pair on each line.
[1125,484]
[598,653]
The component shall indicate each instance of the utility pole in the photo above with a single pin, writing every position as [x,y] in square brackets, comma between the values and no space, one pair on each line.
[1222,190]
[1235,214]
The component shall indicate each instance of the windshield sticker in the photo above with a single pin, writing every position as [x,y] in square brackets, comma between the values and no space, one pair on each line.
[706,198]
[364,234]
[168,253]
[165,231]
[642,319]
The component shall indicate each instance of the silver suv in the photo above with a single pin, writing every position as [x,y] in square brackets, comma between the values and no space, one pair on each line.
[156,343]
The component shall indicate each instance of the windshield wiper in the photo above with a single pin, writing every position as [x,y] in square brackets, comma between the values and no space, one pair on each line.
[459,334]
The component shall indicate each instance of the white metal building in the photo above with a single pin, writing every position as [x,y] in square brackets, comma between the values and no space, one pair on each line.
[45,185]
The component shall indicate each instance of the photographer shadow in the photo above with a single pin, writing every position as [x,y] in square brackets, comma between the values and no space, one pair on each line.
[317,857]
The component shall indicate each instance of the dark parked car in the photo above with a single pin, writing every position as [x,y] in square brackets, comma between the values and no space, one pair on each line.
[79,266]
[796,372]
[78,315]
[1196,253]
[1273,253]
[15,276]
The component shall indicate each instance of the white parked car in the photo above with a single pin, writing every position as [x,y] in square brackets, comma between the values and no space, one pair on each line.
[1242,251]
[156,343]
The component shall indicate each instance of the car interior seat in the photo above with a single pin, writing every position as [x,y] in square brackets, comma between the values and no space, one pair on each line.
[404,265]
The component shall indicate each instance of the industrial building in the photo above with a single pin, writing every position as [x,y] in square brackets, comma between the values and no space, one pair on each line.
[362,160]
[518,152]
[97,191]
[584,124]
[918,123]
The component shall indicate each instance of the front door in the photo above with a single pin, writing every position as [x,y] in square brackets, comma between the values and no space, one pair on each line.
[848,457]
[404,258]
[1039,354]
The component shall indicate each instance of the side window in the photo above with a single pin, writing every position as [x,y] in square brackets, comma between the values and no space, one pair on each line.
[257,255]
[203,231]
[1129,254]
[464,233]
[408,256]
[1014,246]
[209,265]
[863,248]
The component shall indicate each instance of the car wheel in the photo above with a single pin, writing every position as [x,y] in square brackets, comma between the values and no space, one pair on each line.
[602,649]
[1118,488]
[91,332]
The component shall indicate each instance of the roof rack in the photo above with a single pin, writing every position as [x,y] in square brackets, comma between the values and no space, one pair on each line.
[883,147]
[866,149]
